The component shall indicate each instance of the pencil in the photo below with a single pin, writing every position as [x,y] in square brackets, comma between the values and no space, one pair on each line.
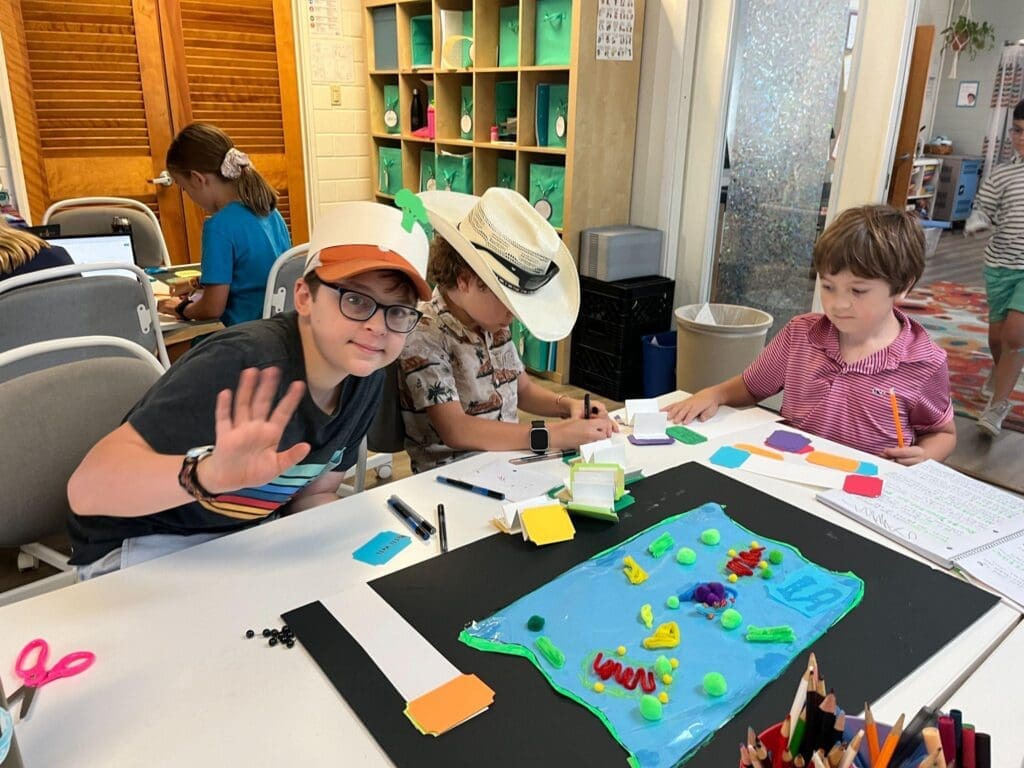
[851,751]
[871,731]
[896,419]
[890,745]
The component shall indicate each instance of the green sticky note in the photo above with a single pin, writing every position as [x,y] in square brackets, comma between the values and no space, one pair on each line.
[684,435]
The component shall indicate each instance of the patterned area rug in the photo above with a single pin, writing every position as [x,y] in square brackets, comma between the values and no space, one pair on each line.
[956,317]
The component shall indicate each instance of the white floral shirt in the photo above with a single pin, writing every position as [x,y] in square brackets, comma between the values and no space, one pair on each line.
[444,361]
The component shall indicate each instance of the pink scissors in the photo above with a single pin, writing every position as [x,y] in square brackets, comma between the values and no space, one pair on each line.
[36,675]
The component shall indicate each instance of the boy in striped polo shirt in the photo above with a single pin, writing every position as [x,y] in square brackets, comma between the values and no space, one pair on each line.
[835,369]
[1000,206]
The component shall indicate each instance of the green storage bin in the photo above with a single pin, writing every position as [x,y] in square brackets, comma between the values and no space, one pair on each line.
[506,172]
[466,113]
[554,32]
[422,33]
[547,191]
[427,171]
[467,30]
[392,110]
[505,95]
[385,38]
[455,173]
[389,170]
[558,115]
[508,36]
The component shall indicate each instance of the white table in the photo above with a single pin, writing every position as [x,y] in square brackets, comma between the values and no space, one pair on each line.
[176,682]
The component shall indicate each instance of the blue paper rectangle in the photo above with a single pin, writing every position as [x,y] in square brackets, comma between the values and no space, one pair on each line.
[382,547]
[729,457]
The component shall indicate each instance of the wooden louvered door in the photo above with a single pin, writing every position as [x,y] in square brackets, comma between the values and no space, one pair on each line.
[232,63]
[100,87]
[90,103]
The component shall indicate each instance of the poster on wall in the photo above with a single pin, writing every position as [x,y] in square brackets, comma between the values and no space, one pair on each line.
[615,20]
[331,61]
[967,94]
[324,17]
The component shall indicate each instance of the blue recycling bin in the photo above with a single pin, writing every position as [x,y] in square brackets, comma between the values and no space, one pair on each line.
[659,363]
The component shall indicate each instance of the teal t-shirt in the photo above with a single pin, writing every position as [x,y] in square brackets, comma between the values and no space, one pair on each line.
[239,248]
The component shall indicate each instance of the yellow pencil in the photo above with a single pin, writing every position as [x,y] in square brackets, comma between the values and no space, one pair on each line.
[896,419]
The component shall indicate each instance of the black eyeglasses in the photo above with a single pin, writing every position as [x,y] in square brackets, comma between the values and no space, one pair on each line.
[358,306]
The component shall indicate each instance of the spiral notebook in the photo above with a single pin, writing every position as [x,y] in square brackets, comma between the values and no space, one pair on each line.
[950,519]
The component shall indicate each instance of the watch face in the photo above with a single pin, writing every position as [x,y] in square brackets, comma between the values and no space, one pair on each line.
[539,439]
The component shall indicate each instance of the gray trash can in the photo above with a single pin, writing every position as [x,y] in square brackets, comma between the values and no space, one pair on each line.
[711,353]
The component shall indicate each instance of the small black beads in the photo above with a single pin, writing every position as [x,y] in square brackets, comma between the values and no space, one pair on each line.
[283,636]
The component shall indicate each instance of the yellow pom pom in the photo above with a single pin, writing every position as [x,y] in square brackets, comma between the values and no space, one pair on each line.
[674,662]
[754,545]
[731,553]
[621,650]
[598,687]
[666,679]
[733,578]
[763,564]
[663,697]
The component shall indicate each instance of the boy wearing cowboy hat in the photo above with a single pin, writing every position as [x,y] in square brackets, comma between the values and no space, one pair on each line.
[461,380]
[263,414]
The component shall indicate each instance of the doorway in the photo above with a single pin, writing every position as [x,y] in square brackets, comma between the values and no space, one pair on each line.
[100,87]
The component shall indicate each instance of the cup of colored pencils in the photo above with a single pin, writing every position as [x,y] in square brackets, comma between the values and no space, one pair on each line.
[818,734]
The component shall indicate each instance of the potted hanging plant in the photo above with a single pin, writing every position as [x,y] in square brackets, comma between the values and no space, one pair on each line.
[967,35]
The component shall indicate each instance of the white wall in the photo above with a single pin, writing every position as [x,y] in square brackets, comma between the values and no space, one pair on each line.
[337,137]
[967,126]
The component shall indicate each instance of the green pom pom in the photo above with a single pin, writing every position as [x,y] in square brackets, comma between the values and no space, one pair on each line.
[686,556]
[711,537]
[775,557]
[650,707]
[766,573]
[672,602]
[662,666]
[731,618]
[714,684]
[535,624]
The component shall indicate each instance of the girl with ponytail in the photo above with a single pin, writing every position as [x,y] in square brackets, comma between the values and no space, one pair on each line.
[244,234]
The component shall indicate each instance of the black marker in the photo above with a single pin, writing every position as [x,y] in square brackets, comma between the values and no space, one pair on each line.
[442,527]
[419,526]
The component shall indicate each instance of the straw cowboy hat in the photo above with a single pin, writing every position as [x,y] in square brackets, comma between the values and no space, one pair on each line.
[516,253]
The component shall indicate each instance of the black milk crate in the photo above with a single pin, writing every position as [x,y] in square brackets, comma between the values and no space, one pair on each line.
[615,376]
[616,339]
[638,301]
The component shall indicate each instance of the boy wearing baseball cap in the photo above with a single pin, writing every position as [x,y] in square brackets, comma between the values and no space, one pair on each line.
[261,415]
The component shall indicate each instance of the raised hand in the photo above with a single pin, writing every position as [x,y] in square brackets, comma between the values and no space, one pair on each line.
[249,429]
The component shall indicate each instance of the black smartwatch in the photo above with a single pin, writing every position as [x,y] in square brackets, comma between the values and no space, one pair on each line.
[180,309]
[538,437]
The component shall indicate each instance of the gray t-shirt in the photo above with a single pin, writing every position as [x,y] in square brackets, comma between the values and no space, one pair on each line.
[178,414]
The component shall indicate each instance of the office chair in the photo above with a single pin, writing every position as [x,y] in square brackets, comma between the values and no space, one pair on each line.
[281,281]
[56,303]
[92,215]
[68,394]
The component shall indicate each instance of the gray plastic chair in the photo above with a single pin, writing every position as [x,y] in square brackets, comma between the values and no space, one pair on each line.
[57,303]
[52,416]
[93,215]
[280,295]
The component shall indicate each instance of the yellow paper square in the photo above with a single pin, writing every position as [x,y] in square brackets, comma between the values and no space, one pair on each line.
[547,525]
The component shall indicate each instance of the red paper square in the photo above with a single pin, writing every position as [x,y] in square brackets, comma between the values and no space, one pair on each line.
[863,485]
[805,449]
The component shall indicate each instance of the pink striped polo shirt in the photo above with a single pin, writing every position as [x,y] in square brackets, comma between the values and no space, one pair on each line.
[847,403]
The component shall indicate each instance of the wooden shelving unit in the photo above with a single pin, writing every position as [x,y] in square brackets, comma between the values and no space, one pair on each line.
[601,122]
[924,178]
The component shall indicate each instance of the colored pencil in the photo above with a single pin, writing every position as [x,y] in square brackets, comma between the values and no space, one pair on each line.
[896,418]
[871,731]
[889,746]
[851,750]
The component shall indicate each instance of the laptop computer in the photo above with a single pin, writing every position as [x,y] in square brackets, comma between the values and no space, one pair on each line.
[98,249]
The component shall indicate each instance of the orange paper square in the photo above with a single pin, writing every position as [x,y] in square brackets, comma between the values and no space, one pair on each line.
[757,449]
[446,706]
[832,461]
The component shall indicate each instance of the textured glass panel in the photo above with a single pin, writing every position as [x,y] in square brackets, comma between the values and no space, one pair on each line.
[785,84]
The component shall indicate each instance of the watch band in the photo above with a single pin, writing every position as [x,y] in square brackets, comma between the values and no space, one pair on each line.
[180,309]
[188,476]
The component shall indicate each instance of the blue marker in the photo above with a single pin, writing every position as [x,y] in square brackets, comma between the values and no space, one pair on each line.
[470,487]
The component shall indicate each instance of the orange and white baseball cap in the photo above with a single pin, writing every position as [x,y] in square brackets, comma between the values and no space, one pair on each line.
[353,238]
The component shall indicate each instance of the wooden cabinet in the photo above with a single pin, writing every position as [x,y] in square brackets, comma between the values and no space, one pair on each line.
[600,103]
